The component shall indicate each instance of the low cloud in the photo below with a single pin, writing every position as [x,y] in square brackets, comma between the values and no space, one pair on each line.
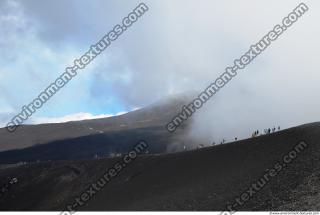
[71,117]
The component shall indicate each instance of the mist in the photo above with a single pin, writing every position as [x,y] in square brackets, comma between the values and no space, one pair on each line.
[176,47]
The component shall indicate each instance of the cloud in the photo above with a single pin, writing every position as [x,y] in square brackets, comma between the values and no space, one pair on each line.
[28,64]
[71,117]
[176,46]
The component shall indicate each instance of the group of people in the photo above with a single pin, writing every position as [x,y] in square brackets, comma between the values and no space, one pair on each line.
[266,131]
[254,134]
[257,133]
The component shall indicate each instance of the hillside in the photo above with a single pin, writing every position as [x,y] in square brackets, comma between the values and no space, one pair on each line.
[88,138]
[204,179]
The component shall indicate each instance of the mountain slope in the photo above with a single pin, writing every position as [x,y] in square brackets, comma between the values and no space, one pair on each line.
[204,179]
[96,131]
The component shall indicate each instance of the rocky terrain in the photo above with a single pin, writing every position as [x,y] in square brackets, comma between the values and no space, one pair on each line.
[204,179]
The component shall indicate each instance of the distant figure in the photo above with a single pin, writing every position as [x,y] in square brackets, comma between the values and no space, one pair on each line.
[184,148]
[223,141]
[236,139]
[255,133]
[278,128]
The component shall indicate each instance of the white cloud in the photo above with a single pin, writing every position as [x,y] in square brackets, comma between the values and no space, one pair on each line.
[71,117]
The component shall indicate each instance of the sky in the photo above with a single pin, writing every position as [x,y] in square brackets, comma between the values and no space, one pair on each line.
[177,46]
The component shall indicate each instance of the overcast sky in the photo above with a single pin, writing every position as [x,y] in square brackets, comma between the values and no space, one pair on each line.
[176,46]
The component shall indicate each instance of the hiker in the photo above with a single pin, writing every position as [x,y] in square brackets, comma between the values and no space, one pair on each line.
[278,128]
[255,133]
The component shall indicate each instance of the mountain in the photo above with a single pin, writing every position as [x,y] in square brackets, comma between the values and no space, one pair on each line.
[204,179]
[98,137]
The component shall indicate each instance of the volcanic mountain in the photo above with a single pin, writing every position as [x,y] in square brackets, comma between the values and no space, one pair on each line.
[204,179]
[51,166]
[96,138]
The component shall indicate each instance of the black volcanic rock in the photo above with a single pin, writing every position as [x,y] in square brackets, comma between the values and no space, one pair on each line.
[204,179]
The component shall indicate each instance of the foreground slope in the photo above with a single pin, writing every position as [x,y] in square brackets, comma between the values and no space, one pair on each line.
[205,179]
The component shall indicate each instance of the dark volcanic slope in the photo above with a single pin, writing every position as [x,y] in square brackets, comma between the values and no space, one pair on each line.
[153,116]
[87,147]
[205,179]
